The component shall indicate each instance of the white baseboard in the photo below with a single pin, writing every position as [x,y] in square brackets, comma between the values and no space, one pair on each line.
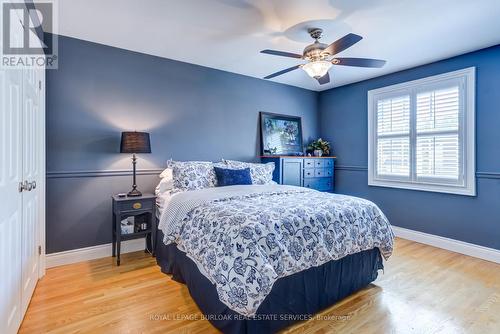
[91,253]
[100,251]
[485,253]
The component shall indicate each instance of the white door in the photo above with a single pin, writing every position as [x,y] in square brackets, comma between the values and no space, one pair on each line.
[11,215]
[22,158]
[10,199]
[31,174]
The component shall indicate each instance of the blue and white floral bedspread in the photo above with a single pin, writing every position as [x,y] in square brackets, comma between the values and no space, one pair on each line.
[244,238]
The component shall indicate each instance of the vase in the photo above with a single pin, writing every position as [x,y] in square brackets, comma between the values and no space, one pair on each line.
[318,153]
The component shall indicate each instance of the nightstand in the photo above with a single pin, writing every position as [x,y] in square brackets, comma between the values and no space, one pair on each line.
[143,210]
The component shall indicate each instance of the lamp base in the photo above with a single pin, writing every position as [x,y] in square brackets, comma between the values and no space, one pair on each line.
[134,193]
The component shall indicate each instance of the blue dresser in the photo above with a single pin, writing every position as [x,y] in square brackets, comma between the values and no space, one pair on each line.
[309,172]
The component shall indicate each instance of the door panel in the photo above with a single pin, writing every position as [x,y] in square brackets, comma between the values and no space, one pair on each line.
[31,173]
[10,200]
[292,172]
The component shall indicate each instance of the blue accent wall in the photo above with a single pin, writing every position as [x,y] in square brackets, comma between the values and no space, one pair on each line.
[343,121]
[192,113]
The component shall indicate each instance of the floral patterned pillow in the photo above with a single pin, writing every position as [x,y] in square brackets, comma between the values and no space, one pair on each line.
[260,173]
[192,175]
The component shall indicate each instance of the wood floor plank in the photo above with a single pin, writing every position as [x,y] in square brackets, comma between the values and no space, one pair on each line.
[422,290]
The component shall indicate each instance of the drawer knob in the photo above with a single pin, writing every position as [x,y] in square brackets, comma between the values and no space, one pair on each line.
[137,205]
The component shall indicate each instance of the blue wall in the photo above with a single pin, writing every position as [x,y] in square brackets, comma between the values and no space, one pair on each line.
[343,121]
[192,112]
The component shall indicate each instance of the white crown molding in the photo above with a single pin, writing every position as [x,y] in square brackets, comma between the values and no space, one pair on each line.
[91,253]
[481,252]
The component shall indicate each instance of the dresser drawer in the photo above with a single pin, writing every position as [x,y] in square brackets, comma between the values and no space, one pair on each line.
[322,172]
[309,172]
[135,205]
[328,163]
[325,184]
[321,184]
[309,163]
[311,183]
[319,172]
[319,163]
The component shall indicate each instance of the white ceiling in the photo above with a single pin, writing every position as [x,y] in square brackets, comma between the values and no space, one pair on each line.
[228,34]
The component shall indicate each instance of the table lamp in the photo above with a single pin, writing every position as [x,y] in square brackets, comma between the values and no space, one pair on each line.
[135,142]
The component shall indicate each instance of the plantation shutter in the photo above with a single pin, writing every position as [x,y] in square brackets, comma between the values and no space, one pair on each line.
[421,134]
[393,136]
[438,144]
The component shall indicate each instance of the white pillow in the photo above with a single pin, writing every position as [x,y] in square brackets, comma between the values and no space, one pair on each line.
[167,173]
[164,186]
[166,182]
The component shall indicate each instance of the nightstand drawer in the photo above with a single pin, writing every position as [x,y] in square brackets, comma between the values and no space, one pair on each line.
[135,205]
[319,172]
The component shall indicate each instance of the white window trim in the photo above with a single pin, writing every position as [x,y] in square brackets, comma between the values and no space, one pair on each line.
[468,144]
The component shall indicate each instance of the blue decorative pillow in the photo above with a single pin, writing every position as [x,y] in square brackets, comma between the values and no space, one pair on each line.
[232,177]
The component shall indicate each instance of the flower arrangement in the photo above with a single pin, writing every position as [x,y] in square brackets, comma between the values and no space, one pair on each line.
[319,144]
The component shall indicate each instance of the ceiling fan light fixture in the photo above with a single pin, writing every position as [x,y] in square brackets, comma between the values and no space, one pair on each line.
[319,57]
[317,69]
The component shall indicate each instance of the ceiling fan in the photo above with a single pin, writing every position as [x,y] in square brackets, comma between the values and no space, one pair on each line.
[320,57]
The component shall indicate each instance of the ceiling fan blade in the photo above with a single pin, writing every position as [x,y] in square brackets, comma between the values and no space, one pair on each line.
[282,72]
[282,53]
[359,62]
[341,44]
[324,79]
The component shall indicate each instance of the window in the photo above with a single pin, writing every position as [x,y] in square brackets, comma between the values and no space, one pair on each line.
[421,134]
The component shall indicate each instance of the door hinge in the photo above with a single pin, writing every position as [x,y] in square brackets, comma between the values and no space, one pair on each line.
[39,250]
[40,84]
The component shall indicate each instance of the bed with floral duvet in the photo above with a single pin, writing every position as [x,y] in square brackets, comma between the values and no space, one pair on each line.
[257,258]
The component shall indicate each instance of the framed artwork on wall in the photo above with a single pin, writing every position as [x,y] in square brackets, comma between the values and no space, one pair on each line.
[280,134]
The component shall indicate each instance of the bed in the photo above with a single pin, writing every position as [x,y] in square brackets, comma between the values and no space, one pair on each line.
[258,258]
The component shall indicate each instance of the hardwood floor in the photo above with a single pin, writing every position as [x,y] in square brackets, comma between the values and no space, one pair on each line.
[423,290]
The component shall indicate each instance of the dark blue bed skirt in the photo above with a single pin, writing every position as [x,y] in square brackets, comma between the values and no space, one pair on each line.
[293,298]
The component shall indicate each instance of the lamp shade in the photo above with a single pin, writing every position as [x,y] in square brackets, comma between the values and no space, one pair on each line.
[135,142]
